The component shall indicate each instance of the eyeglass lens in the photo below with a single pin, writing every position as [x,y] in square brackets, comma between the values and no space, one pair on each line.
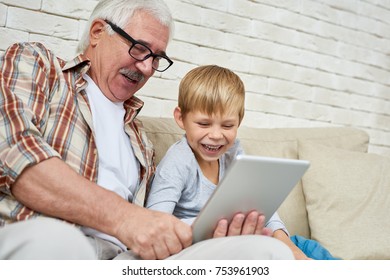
[140,52]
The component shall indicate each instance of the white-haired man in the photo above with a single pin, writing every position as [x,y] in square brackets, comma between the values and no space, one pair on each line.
[73,149]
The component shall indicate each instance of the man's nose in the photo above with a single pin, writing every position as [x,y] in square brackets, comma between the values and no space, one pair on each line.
[145,66]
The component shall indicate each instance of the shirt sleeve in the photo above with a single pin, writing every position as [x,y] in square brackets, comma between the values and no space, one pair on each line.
[168,183]
[276,223]
[24,92]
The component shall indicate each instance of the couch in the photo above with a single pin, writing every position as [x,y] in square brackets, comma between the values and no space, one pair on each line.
[342,201]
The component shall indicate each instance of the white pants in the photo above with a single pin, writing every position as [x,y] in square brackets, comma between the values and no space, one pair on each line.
[245,247]
[44,239]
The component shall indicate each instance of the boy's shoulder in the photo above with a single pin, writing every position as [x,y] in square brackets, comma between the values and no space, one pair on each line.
[179,160]
[180,152]
[179,146]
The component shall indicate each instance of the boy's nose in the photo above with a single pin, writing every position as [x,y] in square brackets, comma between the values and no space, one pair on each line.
[216,133]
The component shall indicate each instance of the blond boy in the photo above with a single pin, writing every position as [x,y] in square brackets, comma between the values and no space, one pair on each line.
[211,106]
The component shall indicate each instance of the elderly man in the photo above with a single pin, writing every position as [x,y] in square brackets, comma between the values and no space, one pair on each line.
[72,148]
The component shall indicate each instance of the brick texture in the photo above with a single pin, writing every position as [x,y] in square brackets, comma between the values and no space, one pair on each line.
[304,63]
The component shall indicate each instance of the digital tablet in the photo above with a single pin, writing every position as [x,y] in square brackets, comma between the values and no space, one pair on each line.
[250,183]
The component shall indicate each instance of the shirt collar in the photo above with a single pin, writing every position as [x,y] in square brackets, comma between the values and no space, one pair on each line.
[79,61]
[134,104]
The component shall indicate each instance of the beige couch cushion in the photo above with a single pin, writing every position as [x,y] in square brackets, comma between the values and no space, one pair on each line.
[283,142]
[278,142]
[162,132]
[348,201]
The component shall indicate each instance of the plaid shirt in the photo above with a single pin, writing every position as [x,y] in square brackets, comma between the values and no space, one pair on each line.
[44,113]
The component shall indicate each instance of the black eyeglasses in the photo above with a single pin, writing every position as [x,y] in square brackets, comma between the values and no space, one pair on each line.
[140,52]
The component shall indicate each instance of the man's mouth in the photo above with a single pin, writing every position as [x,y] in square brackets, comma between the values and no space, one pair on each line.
[130,79]
[132,76]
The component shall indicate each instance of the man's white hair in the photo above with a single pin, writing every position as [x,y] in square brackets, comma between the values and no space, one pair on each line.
[120,13]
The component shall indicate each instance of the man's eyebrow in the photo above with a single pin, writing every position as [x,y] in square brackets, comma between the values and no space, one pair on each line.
[148,45]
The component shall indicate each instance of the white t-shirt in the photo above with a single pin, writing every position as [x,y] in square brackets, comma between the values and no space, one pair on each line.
[118,167]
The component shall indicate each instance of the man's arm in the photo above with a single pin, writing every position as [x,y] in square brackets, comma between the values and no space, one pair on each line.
[53,188]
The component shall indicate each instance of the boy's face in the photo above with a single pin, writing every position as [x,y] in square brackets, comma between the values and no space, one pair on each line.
[209,136]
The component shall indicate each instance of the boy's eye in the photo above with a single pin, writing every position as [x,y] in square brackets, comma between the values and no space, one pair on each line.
[228,125]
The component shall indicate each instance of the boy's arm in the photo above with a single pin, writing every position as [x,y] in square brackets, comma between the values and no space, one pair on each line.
[162,206]
[282,236]
[166,187]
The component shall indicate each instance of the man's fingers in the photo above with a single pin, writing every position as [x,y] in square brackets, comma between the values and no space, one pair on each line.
[180,238]
[184,234]
[161,248]
[161,251]
[236,225]
[251,224]
[222,229]
[165,236]
[145,253]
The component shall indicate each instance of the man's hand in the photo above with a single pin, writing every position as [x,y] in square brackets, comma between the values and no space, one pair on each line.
[154,235]
[252,223]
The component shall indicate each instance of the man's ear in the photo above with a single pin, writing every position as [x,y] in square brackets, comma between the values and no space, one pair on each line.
[96,31]
[178,117]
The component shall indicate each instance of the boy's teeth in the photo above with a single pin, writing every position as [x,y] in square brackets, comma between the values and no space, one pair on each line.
[213,148]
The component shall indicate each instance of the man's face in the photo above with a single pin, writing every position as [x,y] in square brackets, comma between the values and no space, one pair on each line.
[116,73]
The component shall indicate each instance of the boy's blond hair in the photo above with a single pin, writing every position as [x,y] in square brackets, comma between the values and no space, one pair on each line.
[212,89]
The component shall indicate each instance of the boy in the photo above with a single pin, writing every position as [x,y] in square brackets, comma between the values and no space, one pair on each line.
[210,110]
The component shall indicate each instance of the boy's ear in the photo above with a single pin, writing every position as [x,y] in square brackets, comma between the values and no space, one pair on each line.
[178,117]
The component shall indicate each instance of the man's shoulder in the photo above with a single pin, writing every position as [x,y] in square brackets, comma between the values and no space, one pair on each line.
[31,50]
[30,46]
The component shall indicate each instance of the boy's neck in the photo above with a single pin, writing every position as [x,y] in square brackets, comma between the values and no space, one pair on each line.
[210,170]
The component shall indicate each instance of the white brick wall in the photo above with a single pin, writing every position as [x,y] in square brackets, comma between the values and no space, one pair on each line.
[304,63]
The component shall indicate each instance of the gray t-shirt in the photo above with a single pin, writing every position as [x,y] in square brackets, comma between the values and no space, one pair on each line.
[180,188]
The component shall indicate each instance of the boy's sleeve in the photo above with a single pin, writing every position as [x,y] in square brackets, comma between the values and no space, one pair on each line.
[167,185]
[276,223]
